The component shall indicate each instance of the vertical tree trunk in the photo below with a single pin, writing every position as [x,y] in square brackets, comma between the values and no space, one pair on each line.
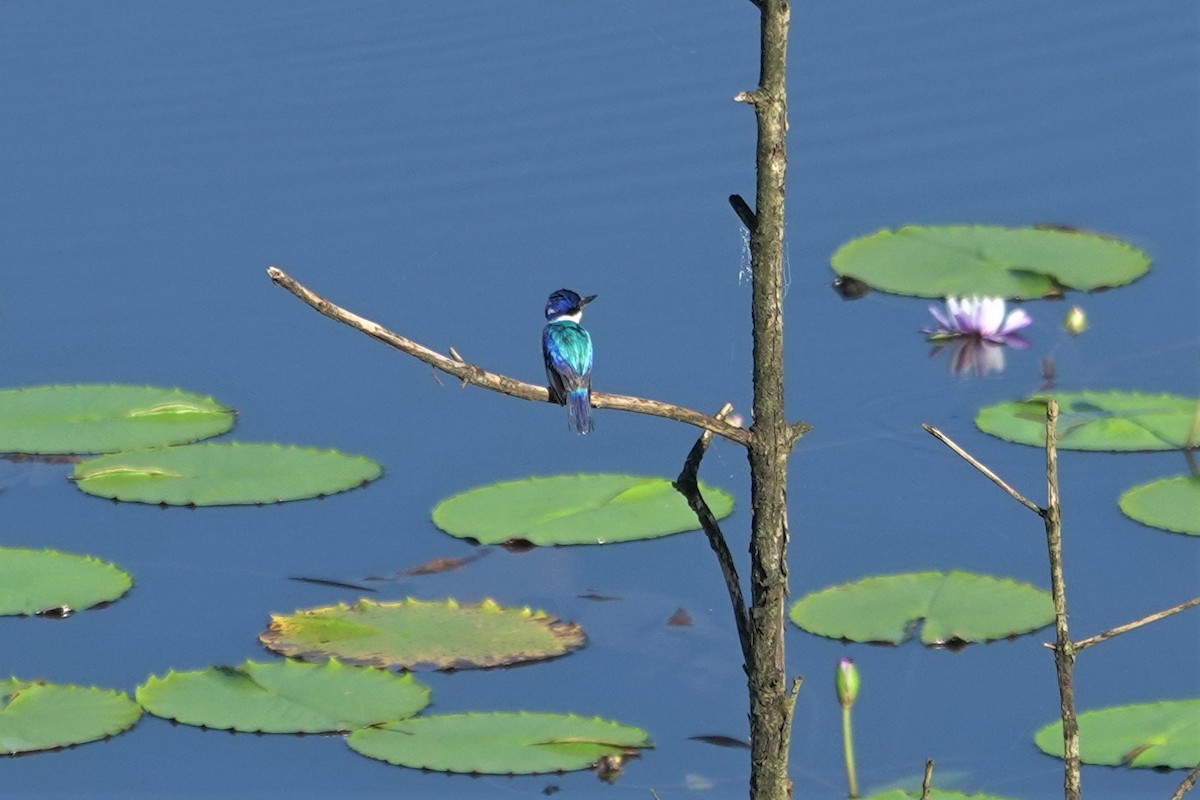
[770,716]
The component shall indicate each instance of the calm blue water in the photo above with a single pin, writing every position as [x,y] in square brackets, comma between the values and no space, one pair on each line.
[441,170]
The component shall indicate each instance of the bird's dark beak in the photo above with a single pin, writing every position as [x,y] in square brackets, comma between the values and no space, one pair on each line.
[587,300]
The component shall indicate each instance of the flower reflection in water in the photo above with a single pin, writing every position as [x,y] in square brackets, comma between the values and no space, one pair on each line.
[976,330]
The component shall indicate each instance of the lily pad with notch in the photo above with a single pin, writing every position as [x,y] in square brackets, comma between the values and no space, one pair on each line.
[988,260]
[597,508]
[226,473]
[64,419]
[1172,504]
[284,697]
[35,715]
[1091,420]
[37,581]
[415,633]
[1165,734]
[499,743]
[953,608]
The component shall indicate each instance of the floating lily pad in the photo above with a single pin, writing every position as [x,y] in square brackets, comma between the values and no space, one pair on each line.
[956,607]
[1162,734]
[573,509]
[228,473]
[518,743]
[32,581]
[1113,420]
[43,716]
[284,697]
[105,419]
[988,260]
[412,633]
[1172,504]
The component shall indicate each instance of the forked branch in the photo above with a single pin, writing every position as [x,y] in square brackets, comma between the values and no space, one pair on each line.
[688,485]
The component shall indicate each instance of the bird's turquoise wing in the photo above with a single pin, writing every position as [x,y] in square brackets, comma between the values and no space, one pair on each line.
[570,351]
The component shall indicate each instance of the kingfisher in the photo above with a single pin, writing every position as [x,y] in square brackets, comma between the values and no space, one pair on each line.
[567,350]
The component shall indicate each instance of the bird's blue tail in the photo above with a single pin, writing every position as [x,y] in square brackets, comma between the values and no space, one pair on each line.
[579,410]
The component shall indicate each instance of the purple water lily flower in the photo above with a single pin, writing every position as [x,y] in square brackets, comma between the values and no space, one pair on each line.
[979,318]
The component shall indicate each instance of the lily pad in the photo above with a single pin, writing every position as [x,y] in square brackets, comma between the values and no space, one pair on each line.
[1163,734]
[413,633]
[573,509]
[32,581]
[43,716]
[988,260]
[519,743]
[284,697]
[228,473]
[1172,504]
[1113,420]
[105,419]
[956,607]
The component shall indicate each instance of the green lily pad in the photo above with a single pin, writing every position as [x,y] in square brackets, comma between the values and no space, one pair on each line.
[573,509]
[105,419]
[284,697]
[43,716]
[988,260]
[956,607]
[228,473]
[413,633]
[1172,504]
[1163,734]
[520,743]
[1113,420]
[32,581]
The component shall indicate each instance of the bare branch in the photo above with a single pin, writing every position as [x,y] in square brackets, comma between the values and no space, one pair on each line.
[744,212]
[1137,623]
[974,462]
[477,376]
[927,781]
[688,485]
[1188,782]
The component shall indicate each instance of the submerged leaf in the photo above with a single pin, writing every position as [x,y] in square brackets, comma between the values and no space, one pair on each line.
[1162,734]
[43,716]
[1172,504]
[1088,420]
[33,581]
[520,743]
[988,260]
[228,473]
[284,697]
[955,607]
[573,509]
[105,419]
[412,633]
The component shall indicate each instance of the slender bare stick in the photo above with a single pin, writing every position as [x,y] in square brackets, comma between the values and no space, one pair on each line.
[1064,650]
[688,485]
[927,781]
[1188,782]
[974,462]
[477,376]
[1083,644]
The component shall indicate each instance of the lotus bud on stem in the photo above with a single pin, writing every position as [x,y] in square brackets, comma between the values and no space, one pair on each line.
[846,681]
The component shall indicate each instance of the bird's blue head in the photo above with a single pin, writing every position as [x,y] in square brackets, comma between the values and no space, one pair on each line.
[565,304]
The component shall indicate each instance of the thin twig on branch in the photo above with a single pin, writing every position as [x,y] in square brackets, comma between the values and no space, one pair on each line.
[974,462]
[1137,623]
[1188,782]
[688,485]
[927,781]
[477,376]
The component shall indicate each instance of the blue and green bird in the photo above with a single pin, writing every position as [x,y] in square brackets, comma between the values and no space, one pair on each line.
[567,350]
